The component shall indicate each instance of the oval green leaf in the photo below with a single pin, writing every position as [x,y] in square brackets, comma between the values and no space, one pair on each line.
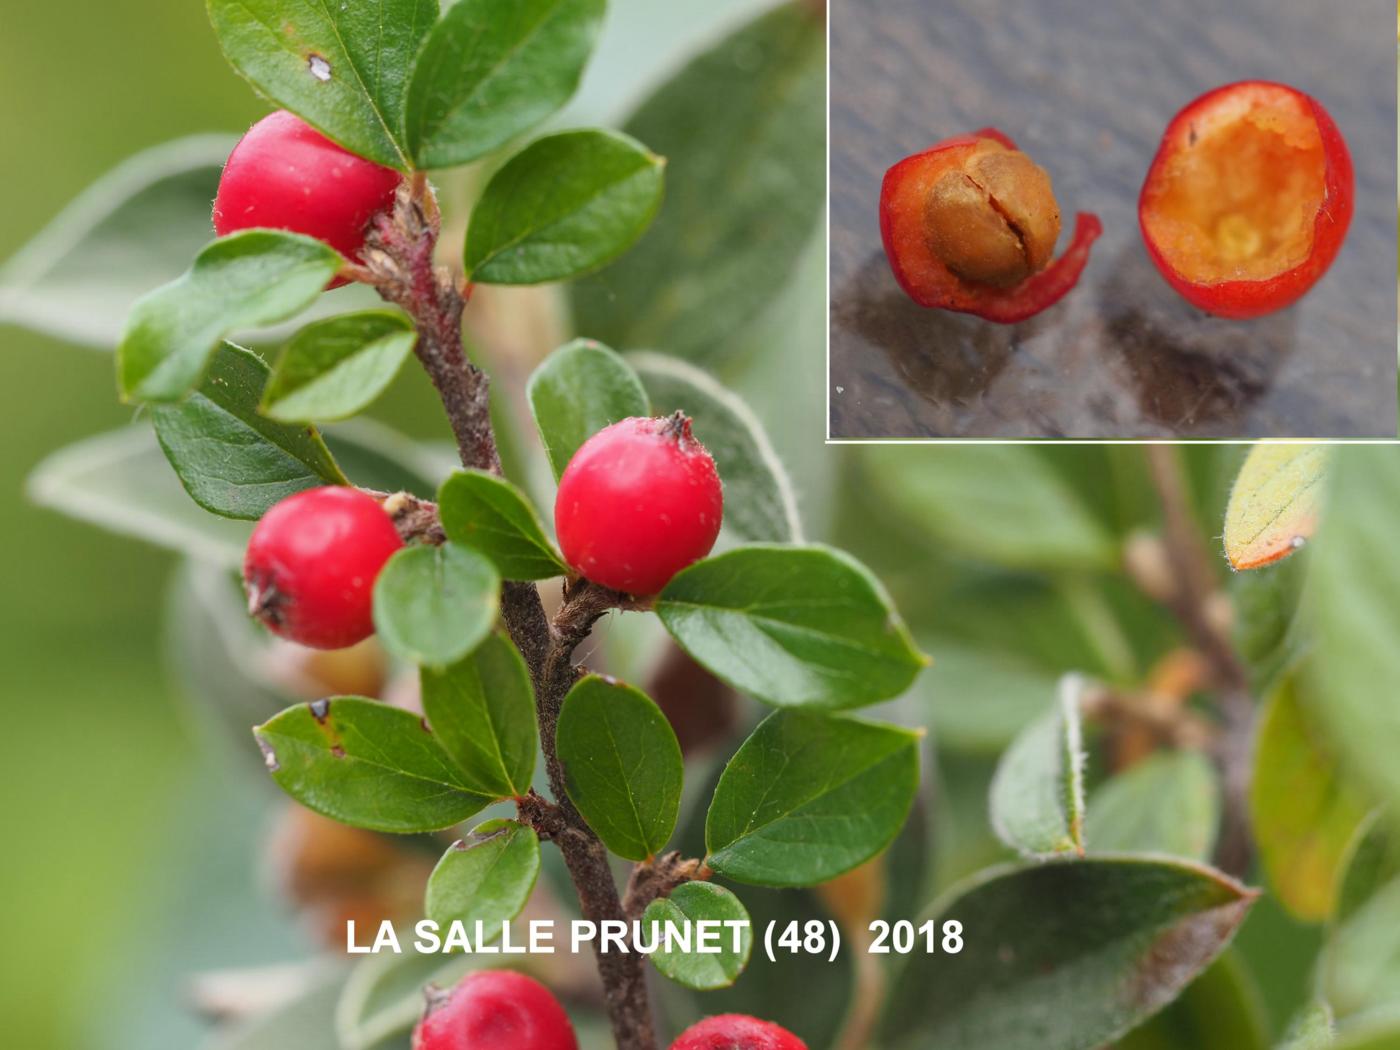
[792,626]
[434,605]
[1125,935]
[486,877]
[490,71]
[489,514]
[1167,803]
[367,764]
[332,369]
[743,126]
[978,700]
[759,502]
[341,67]
[483,711]
[622,765]
[563,206]
[577,391]
[1037,793]
[252,278]
[691,903]
[809,796]
[232,461]
[1275,503]
[1313,1029]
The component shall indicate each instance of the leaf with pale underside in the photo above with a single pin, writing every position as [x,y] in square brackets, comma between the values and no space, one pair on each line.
[1167,803]
[334,368]
[1037,794]
[1275,503]
[485,877]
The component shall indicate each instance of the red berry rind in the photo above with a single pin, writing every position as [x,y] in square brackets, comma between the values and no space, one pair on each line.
[737,1032]
[494,1010]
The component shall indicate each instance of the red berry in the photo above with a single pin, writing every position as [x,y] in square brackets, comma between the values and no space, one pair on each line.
[495,1010]
[285,175]
[311,565]
[639,502]
[737,1032]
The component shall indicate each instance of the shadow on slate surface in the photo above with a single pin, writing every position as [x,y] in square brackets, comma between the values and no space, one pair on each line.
[1087,88]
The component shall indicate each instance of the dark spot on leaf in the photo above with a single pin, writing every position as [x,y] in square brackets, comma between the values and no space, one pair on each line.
[458,846]
[424,723]
[337,751]
[320,710]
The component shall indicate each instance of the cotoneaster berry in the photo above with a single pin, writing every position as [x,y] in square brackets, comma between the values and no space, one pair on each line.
[495,1010]
[285,175]
[639,501]
[737,1032]
[311,564]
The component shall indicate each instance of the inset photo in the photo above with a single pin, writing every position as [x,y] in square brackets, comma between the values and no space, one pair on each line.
[1140,220]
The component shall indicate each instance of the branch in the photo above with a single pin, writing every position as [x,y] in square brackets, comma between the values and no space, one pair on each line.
[1194,597]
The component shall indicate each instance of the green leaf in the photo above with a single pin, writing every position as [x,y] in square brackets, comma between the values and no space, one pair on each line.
[367,764]
[695,902]
[563,206]
[332,369]
[622,765]
[1220,1010]
[1275,503]
[1303,808]
[232,461]
[490,71]
[1269,633]
[486,877]
[810,796]
[1353,578]
[101,252]
[577,391]
[759,502]
[1372,859]
[792,626]
[1037,794]
[1068,955]
[341,67]
[744,129]
[1167,803]
[1313,1029]
[120,481]
[434,605]
[489,514]
[978,700]
[1001,503]
[1360,963]
[482,709]
[254,277]
[1382,1034]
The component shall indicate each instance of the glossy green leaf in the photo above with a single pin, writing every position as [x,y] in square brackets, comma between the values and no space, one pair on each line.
[485,877]
[1068,955]
[759,502]
[482,709]
[489,514]
[254,277]
[1037,794]
[563,206]
[622,765]
[232,461]
[490,71]
[577,391]
[1167,803]
[100,252]
[434,605]
[1303,808]
[980,699]
[744,129]
[1372,860]
[341,67]
[695,902]
[1220,1010]
[1353,579]
[792,626]
[332,369]
[1313,1029]
[809,796]
[368,764]
[120,481]
[1001,503]
[1275,503]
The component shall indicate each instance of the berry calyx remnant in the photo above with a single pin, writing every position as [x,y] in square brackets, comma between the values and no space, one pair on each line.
[494,1010]
[311,563]
[737,1032]
[286,175]
[639,501]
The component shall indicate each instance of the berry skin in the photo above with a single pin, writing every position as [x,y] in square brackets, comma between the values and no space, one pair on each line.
[285,175]
[495,1010]
[311,564]
[640,501]
[737,1032]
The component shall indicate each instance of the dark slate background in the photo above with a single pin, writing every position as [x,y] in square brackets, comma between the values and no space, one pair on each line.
[1087,87]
